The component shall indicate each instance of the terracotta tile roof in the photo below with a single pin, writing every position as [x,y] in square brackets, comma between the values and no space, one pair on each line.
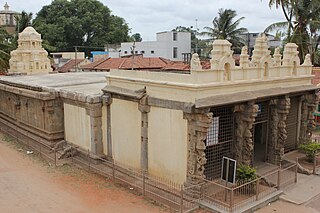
[93,64]
[69,65]
[110,63]
[316,73]
[139,62]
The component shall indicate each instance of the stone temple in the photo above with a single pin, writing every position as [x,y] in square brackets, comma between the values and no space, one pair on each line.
[168,125]
[30,57]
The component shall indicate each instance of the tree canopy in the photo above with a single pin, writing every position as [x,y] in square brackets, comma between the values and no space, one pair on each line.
[67,23]
[224,27]
[23,21]
[302,24]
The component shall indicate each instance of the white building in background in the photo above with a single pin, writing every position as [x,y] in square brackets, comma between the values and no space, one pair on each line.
[250,40]
[170,45]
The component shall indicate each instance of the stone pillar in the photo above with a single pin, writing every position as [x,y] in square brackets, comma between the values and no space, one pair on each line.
[95,113]
[107,100]
[309,103]
[144,108]
[245,115]
[198,124]
[279,112]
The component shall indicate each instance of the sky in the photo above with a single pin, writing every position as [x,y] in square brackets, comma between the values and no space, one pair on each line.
[148,17]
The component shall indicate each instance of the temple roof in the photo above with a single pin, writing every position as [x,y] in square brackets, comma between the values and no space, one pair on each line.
[29,33]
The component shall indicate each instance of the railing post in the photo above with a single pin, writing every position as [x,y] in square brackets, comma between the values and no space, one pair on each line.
[55,157]
[314,164]
[257,189]
[296,172]
[113,173]
[71,150]
[231,200]
[181,198]
[88,158]
[279,178]
[143,184]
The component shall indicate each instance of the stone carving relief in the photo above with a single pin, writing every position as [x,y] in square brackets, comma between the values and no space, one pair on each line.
[198,124]
[195,62]
[307,60]
[309,103]
[279,111]
[245,117]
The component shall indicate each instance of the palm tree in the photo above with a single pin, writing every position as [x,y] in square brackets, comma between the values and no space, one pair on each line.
[23,21]
[302,22]
[225,28]
[5,47]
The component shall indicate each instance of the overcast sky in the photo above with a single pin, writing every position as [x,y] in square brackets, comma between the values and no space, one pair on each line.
[148,17]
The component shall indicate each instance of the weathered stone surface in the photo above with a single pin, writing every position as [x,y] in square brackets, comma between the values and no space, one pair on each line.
[196,146]
[279,111]
[244,118]
[309,103]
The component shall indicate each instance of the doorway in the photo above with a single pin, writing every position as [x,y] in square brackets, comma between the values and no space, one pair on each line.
[260,142]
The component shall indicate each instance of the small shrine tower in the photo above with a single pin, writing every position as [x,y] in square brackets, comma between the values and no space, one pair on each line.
[30,57]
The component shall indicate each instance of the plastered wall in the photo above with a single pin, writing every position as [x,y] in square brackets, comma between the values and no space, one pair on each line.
[77,126]
[126,132]
[167,146]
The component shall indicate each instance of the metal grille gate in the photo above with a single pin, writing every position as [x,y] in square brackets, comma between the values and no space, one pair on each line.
[219,140]
[292,125]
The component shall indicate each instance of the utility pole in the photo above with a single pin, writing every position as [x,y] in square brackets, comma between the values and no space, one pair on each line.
[132,51]
[195,35]
[75,57]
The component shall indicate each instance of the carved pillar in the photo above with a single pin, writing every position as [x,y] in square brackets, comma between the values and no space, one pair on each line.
[279,112]
[309,103]
[95,113]
[198,124]
[144,108]
[245,115]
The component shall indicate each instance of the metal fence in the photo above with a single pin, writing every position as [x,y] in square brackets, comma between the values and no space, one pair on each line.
[165,192]
[233,198]
[174,196]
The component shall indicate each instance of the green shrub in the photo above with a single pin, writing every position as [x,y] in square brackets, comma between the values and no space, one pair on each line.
[245,173]
[310,149]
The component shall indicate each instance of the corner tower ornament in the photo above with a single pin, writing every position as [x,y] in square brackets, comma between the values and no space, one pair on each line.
[30,57]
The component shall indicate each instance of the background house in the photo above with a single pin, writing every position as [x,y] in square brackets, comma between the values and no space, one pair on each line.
[250,40]
[171,45]
[7,19]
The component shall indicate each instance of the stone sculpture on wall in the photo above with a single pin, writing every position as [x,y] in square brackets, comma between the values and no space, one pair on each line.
[195,62]
[309,103]
[198,124]
[279,112]
[245,116]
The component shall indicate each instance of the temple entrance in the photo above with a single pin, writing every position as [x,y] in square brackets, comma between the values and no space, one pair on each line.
[260,142]
[260,133]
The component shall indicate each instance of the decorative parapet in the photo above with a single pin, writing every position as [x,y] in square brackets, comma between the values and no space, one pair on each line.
[261,54]
[263,72]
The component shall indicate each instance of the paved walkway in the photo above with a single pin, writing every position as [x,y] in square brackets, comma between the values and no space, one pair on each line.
[307,188]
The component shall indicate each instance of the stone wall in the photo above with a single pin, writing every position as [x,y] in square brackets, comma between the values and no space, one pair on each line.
[41,117]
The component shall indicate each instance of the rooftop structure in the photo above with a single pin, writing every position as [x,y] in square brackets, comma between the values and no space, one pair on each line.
[8,19]
[29,57]
[171,45]
[137,62]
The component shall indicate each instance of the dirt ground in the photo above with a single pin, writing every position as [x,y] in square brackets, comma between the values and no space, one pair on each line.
[29,184]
